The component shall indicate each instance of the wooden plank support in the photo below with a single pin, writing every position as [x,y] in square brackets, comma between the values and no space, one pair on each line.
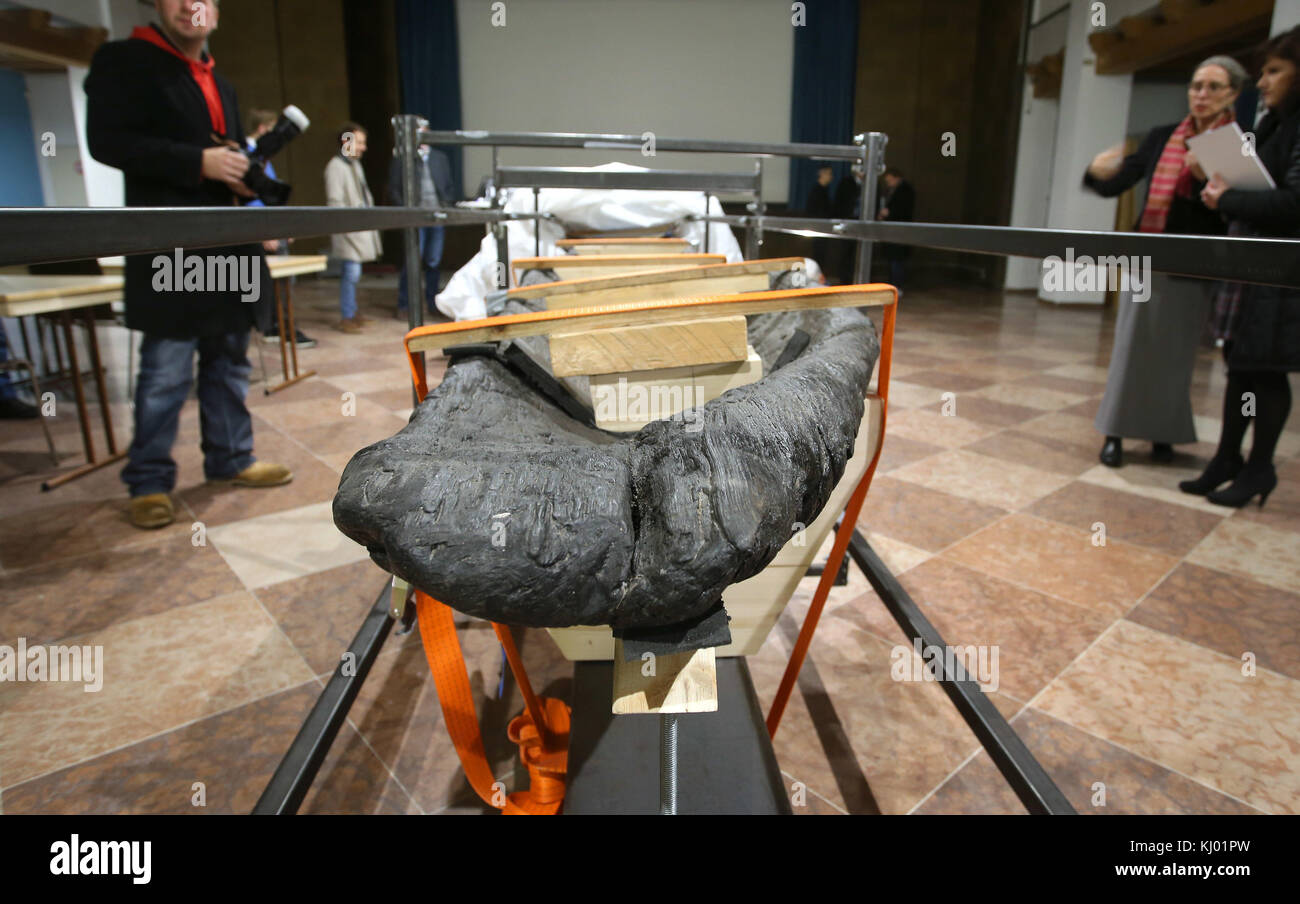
[573,266]
[624,245]
[541,323]
[712,341]
[670,282]
[675,683]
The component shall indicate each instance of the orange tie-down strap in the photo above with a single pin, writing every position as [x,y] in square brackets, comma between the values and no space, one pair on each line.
[542,731]
[634,313]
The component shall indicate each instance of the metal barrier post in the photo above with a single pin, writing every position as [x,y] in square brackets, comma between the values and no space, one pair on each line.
[408,153]
[873,164]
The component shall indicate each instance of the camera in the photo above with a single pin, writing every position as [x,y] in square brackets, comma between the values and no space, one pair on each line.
[272,192]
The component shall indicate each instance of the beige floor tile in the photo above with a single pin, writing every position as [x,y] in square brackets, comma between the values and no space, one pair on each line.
[1159,482]
[983,479]
[1062,561]
[1256,551]
[390,377]
[284,545]
[930,427]
[1080,372]
[1190,709]
[1028,395]
[903,394]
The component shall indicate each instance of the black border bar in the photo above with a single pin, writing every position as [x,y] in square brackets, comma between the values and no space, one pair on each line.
[1267,261]
[38,235]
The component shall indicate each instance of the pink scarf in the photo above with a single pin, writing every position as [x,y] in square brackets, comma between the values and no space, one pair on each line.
[1171,176]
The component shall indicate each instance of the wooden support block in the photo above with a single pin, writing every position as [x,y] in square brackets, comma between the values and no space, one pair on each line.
[573,266]
[626,402]
[678,281]
[682,344]
[624,245]
[712,380]
[676,683]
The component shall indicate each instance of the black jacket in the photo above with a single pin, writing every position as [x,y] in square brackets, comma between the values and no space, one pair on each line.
[819,204]
[440,171]
[1187,216]
[1267,334]
[847,193]
[901,204]
[146,116]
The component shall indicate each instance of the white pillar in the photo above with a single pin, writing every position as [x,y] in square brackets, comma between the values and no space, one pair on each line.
[1286,15]
[1094,114]
[1033,179]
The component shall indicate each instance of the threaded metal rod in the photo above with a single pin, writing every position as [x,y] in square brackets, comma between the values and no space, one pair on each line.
[667,764]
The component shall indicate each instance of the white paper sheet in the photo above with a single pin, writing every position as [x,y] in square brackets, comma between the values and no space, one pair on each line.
[1224,151]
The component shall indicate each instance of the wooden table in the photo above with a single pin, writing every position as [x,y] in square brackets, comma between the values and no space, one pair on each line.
[23,296]
[282,266]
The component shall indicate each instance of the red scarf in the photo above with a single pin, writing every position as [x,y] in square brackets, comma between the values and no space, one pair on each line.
[201,70]
[1171,176]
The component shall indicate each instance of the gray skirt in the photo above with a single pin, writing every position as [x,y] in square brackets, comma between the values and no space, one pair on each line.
[1147,387]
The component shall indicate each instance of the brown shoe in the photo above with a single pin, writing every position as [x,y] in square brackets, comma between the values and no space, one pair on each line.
[360,319]
[348,326]
[152,511]
[259,474]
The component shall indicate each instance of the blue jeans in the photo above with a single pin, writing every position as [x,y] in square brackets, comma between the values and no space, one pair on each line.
[166,373]
[348,279]
[896,273]
[431,241]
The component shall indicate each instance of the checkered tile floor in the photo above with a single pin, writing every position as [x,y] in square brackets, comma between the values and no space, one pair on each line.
[1125,667]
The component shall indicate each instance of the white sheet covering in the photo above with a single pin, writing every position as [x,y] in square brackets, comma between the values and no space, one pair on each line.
[583,209]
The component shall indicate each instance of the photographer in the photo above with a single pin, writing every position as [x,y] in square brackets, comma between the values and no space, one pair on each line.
[157,111]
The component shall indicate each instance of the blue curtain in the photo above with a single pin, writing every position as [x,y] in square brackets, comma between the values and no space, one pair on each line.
[428,57]
[821,107]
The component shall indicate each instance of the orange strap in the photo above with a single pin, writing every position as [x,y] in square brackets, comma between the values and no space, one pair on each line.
[543,749]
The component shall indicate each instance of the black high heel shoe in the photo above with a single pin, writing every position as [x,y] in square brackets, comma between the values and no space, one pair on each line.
[1162,452]
[1218,471]
[1112,452]
[1249,483]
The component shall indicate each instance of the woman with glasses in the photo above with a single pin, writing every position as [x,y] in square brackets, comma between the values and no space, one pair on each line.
[1155,342]
[1259,325]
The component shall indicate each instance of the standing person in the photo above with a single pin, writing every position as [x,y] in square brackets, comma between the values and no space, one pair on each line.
[848,195]
[345,186]
[821,206]
[434,171]
[268,316]
[1154,350]
[157,111]
[898,205]
[1259,325]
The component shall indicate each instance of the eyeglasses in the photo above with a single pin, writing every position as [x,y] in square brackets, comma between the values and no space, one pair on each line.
[1211,87]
